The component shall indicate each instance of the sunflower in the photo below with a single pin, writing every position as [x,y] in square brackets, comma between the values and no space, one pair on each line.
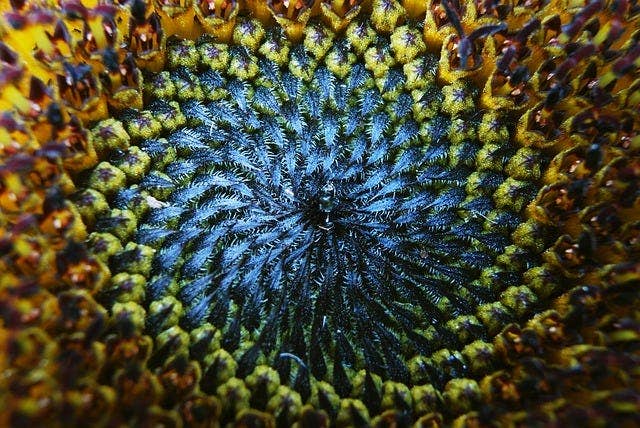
[319,213]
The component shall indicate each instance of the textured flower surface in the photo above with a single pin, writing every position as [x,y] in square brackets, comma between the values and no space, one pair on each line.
[364,213]
[314,214]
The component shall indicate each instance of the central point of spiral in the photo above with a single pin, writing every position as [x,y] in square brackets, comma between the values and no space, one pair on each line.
[326,205]
[327,198]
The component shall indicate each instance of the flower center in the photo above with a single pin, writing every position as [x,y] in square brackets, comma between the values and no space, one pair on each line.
[338,206]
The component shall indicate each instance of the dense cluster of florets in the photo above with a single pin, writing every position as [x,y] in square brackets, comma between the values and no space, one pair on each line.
[347,213]
[341,214]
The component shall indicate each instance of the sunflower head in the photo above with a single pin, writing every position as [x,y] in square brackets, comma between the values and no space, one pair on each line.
[315,213]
